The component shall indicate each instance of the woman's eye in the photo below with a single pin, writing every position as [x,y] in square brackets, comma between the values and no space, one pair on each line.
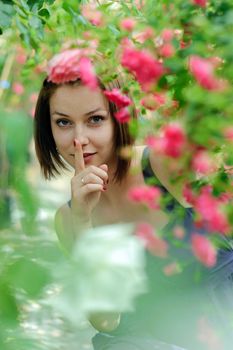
[62,122]
[96,119]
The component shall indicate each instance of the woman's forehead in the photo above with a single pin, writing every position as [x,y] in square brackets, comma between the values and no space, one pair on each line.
[80,96]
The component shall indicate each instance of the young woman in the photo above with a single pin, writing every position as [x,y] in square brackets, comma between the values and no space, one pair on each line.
[76,125]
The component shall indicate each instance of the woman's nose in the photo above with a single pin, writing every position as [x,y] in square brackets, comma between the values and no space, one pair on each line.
[81,135]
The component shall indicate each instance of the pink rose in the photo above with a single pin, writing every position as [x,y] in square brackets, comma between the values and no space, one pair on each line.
[154,101]
[167,34]
[118,98]
[203,249]
[167,50]
[148,195]
[128,24]
[64,66]
[18,88]
[209,207]
[123,115]
[92,15]
[203,71]
[173,140]
[146,69]
[202,163]
[171,269]
[87,73]
[155,244]
[70,65]
[201,3]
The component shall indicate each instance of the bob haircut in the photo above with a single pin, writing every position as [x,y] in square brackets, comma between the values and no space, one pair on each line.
[48,156]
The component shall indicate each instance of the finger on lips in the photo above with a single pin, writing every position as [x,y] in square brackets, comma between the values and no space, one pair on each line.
[79,163]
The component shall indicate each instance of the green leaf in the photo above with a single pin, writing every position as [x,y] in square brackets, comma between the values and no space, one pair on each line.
[24,5]
[44,13]
[6,13]
[8,306]
[35,22]
[37,3]
[28,275]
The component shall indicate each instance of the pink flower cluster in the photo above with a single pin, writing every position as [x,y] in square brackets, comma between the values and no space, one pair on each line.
[87,73]
[171,143]
[210,209]
[118,98]
[94,16]
[154,101]
[203,71]
[203,249]
[147,195]
[202,163]
[122,116]
[128,24]
[155,244]
[70,65]
[18,88]
[201,3]
[146,69]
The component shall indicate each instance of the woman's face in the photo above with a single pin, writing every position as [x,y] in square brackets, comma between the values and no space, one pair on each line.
[83,114]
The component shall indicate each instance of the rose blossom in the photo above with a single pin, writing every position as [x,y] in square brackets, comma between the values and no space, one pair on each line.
[64,66]
[171,269]
[167,34]
[123,115]
[87,73]
[203,250]
[128,24]
[141,37]
[92,15]
[203,71]
[155,244]
[209,207]
[154,101]
[201,3]
[18,88]
[167,50]
[148,195]
[202,163]
[146,69]
[173,140]
[118,98]
[70,65]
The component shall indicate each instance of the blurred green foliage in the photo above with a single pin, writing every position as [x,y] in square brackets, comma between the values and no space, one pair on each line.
[37,29]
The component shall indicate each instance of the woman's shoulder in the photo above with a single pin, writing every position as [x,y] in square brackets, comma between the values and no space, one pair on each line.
[159,168]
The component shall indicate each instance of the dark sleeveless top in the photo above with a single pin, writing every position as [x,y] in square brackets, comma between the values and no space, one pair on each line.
[175,306]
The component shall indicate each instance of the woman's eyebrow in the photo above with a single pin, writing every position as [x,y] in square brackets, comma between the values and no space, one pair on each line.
[95,110]
[86,114]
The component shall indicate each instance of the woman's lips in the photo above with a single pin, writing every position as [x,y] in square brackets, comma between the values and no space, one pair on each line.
[87,157]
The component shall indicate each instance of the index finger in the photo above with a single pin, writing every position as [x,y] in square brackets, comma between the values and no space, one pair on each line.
[79,164]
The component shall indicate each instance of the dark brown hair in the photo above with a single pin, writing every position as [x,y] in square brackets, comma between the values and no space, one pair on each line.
[48,156]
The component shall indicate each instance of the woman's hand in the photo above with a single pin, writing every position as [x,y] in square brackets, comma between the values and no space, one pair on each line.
[86,186]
